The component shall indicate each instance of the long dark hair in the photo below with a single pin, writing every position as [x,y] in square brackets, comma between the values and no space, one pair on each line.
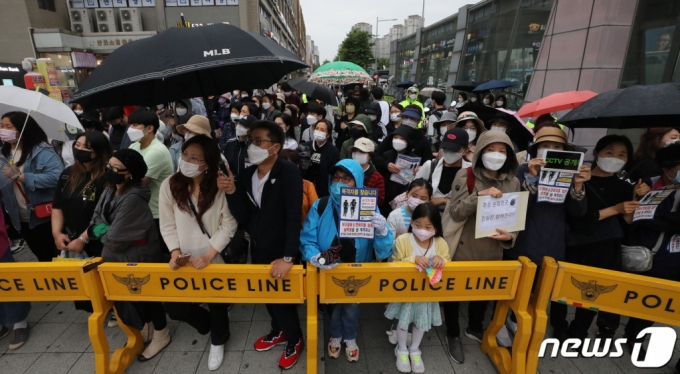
[420,182]
[99,144]
[288,120]
[181,186]
[430,211]
[33,136]
[649,142]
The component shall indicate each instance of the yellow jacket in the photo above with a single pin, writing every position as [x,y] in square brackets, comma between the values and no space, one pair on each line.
[403,251]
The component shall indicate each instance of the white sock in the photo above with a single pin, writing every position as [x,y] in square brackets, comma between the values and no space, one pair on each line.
[416,338]
[21,325]
[402,335]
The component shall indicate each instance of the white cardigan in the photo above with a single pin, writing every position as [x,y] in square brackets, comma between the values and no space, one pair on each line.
[181,230]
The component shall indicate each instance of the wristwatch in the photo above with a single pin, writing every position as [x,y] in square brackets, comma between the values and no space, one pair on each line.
[83,239]
[288,259]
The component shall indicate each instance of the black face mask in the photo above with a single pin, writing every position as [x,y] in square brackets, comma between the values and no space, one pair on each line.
[114,178]
[82,156]
[358,133]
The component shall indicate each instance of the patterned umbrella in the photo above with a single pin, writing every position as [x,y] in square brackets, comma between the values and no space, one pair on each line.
[340,72]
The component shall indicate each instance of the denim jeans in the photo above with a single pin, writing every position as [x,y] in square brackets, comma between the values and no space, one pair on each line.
[14,312]
[345,321]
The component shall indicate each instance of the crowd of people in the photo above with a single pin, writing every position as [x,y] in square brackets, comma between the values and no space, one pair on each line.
[257,174]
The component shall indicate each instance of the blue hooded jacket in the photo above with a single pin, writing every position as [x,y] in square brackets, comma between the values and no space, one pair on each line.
[318,232]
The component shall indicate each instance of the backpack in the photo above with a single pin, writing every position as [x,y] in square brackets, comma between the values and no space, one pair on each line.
[470,176]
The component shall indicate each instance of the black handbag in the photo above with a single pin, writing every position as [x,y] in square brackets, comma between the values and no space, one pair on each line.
[236,252]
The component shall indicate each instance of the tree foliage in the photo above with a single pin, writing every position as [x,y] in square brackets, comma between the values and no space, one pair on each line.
[325,62]
[357,48]
[383,61]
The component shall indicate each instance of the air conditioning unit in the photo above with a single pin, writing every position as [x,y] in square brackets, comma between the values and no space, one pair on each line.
[106,21]
[80,20]
[130,20]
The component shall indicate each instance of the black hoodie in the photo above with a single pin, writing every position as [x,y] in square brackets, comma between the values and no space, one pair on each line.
[323,159]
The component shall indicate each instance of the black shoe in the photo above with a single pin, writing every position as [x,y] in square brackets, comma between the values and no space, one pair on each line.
[455,349]
[474,335]
[4,331]
[561,335]
[605,334]
[630,344]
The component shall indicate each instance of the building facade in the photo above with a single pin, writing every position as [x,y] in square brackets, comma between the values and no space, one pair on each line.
[365,27]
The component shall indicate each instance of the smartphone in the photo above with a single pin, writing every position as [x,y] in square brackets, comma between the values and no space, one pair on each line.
[183,259]
[223,167]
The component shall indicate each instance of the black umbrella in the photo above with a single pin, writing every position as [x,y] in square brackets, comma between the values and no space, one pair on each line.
[186,62]
[466,86]
[406,84]
[633,107]
[519,134]
[485,113]
[313,90]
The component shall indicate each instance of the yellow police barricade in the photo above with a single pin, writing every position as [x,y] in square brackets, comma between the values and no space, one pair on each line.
[600,289]
[250,284]
[509,282]
[72,280]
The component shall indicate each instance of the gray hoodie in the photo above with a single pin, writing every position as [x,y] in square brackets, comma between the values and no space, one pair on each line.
[131,222]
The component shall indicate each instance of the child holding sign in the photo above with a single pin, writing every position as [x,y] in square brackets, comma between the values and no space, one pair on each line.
[425,247]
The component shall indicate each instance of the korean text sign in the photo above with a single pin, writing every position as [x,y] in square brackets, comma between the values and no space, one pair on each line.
[356,211]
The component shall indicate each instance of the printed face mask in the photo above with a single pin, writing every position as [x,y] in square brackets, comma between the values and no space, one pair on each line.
[493,160]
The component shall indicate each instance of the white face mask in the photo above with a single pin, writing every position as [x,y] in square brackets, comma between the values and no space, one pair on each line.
[160,106]
[135,134]
[472,134]
[188,136]
[394,117]
[339,94]
[413,202]
[266,106]
[413,96]
[399,145]
[319,135]
[494,160]
[350,109]
[188,169]
[360,157]
[409,122]
[451,157]
[486,101]
[244,95]
[373,117]
[473,99]
[311,120]
[234,92]
[672,142]
[241,130]
[499,103]
[286,93]
[498,128]
[235,117]
[443,130]
[78,112]
[610,164]
[257,155]
[460,99]
[280,102]
[181,111]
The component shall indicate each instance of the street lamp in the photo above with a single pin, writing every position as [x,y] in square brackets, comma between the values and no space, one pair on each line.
[377,35]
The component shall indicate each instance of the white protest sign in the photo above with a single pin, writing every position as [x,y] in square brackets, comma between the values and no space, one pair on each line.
[407,166]
[553,186]
[507,212]
[356,211]
[650,202]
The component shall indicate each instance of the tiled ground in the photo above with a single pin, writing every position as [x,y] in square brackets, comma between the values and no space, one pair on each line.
[58,344]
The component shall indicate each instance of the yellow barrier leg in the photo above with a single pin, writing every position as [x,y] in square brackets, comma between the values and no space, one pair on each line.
[312,318]
[95,323]
[538,305]
[504,362]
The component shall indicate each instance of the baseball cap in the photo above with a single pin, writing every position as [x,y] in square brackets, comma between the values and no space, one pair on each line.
[364,145]
[455,139]
[410,113]
[197,124]
[247,121]
[357,122]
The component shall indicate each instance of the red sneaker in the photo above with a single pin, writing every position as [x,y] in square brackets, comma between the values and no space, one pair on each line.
[268,341]
[290,355]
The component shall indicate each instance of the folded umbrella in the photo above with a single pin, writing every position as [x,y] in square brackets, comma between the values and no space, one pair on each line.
[180,63]
[655,105]
[494,85]
[405,84]
[53,116]
[466,86]
[554,103]
[313,90]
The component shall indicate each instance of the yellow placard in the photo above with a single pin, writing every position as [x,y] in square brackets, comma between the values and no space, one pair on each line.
[33,281]
[215,283]
[401,281]
[617,292]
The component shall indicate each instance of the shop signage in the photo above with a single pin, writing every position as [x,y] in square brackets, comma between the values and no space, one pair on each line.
[9,69]
[83,60]
[96,43]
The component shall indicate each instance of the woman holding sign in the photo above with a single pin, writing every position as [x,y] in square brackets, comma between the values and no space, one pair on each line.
[595,238]
[494,166]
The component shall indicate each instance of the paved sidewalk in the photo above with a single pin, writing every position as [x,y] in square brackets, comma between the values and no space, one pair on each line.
[59,344]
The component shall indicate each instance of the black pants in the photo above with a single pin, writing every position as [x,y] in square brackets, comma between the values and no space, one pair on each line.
[476,312]
[583,318]
[152,311]
[215,321]
[40,241]
[165,252]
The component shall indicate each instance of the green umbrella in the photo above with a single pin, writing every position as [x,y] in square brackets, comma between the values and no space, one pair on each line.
[340,72]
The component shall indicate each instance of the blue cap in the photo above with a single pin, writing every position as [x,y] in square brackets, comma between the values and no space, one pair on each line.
[410,113]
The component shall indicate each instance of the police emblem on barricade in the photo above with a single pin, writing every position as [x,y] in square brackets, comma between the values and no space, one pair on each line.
[590,290]
[134,285]
[350,285]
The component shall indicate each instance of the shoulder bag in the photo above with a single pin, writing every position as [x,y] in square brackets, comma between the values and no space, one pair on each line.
[236,252]
[41,210]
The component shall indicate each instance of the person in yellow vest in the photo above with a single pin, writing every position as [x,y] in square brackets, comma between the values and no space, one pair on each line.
[412,99]
[541,121]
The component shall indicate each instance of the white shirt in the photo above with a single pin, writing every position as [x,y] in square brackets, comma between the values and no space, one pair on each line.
[290,143]
[429,253]
[258,186]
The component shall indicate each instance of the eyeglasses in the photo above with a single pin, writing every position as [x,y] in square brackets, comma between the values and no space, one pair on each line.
[192,159]
[257,141]
[115,169]
[344,178]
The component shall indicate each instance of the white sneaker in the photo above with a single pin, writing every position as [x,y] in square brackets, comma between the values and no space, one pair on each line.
[503,338]
[216,356]
[417,364]
[113,321]
[17,245]
[403,362]
[511,325]
[392,336]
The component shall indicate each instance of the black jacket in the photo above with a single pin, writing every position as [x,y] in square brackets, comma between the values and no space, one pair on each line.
[274,227]
[322,161]
[236,154]
[419,146]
